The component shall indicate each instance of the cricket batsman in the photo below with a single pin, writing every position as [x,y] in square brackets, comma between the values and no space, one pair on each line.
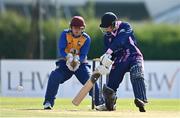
[123,54]
[73,47]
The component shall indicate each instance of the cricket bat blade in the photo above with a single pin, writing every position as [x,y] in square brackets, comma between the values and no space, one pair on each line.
[85,89]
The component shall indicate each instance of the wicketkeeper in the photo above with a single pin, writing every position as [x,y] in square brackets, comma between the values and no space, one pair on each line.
[121,49]
[73,45]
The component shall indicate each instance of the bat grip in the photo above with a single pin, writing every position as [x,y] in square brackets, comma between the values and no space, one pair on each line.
[95,77]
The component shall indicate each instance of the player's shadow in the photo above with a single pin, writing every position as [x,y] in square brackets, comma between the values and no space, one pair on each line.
[31,109]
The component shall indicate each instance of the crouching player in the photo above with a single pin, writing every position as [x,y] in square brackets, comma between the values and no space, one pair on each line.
[73,45]
[121,48]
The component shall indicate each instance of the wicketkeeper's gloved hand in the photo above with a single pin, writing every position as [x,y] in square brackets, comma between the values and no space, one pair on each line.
[76,62]
[69,60]
[105,60]
[72,63]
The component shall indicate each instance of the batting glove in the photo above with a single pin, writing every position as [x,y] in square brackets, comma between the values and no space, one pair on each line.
[102,70]
[105,60]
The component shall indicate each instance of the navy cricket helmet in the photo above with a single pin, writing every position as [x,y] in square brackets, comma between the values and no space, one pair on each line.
[108,19]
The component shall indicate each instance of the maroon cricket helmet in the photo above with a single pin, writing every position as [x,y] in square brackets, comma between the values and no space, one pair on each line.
[78,21]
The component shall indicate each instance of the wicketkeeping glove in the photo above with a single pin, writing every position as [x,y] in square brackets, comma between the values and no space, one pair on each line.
[76,62]
[69,60]
[72,63]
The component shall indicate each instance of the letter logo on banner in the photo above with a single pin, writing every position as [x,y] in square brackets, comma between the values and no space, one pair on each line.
[41,82]
[31,80]
[160,81]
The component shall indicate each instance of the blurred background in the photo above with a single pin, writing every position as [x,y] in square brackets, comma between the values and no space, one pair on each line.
[29,29]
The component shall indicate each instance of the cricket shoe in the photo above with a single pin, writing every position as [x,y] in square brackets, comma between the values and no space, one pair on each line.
[47,106]
[103,107]
[140,104]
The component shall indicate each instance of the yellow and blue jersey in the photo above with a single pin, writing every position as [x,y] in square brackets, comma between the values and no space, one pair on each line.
[76,45]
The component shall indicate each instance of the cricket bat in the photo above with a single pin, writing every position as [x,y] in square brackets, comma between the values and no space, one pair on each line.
[86,88]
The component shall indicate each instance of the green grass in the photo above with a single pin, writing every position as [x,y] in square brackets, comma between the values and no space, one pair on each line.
[24,107]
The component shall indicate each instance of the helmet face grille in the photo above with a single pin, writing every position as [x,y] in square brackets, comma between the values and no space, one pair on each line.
[77,21]
[108,19]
